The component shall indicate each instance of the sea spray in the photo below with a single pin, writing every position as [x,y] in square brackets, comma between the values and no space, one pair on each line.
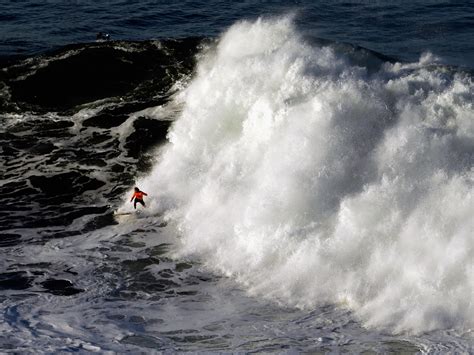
[314,180]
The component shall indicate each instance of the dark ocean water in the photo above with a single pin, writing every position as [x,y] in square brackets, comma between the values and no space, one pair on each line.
[403,29]
[309,168]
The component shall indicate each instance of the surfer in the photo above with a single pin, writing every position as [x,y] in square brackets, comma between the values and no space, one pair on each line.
[138,196]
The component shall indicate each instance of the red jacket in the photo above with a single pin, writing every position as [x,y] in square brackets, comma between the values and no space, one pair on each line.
[139,195]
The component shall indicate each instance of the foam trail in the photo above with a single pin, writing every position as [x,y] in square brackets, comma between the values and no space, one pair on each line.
[312,180]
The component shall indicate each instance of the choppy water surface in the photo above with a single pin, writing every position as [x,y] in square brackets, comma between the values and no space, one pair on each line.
[305,194]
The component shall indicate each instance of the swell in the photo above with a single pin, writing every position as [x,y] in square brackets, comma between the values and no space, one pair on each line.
[74,75]
[319,174]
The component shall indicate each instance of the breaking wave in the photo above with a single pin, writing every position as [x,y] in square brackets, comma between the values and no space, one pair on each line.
[318,173]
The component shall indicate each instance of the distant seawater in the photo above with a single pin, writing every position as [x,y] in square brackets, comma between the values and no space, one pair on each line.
[403,29]
[309,169]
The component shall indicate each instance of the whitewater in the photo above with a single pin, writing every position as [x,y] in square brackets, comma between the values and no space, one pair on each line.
[316,174]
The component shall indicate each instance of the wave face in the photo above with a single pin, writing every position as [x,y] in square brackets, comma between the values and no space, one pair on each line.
[77,125]
[318,174]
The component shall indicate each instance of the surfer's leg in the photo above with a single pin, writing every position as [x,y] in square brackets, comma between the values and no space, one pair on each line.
[135,204]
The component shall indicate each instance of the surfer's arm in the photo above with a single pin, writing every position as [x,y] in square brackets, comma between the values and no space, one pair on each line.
[132,198]
[145,193]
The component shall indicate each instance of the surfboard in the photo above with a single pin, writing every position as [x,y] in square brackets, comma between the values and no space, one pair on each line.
[128,214]
[123,213]
[125,217]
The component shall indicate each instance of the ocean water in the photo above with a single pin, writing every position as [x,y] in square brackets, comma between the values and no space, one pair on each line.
[309,170]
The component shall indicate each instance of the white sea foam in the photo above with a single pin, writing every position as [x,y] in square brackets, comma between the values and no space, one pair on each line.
[312,181]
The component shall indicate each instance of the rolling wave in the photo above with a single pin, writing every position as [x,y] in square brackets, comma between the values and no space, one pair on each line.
[317,174]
